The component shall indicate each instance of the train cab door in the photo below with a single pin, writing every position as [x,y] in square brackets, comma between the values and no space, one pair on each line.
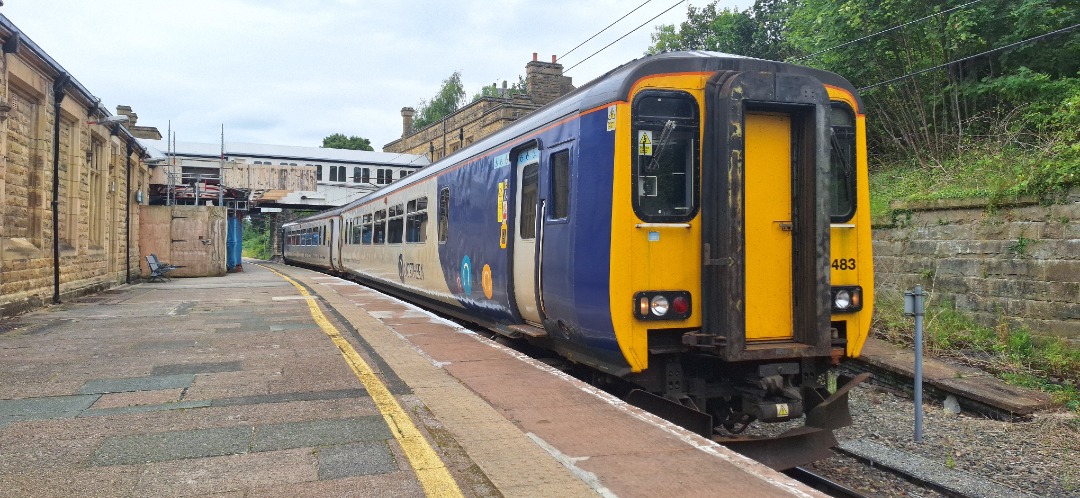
[527,206]
[768,229]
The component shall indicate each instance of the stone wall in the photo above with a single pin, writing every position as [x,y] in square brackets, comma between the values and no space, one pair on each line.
[93,195]
[1017,264]
[544,83]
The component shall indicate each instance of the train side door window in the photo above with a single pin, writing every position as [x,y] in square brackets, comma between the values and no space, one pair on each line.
[560,185]
[842,163]
[366,230]
[444,214]
[529,196]
[416,221]
[396,226]
[665,150]
[357,231]
[380,227]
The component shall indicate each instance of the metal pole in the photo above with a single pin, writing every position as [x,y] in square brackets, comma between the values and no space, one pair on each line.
[913,305]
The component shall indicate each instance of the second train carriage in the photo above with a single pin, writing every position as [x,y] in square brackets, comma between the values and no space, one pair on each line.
[694,223]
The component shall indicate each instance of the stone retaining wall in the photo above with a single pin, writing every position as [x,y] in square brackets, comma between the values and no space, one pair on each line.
[1018,264]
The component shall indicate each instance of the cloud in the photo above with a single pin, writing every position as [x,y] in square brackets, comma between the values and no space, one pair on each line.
[290,73]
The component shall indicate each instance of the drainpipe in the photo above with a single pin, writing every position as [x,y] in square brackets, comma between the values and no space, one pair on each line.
[58,96]
[127,220]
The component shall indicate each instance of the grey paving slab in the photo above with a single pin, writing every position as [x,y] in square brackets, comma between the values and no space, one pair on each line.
[356,459]
[319,433]
[289,397]
[124,410]
[198,368]
[176,445]
[165,345]
[148,383]
[43,408]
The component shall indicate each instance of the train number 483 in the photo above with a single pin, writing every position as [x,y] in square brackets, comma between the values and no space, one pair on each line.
[843,264]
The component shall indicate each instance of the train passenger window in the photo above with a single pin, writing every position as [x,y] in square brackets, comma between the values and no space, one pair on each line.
[354,231]
[356,174]
[402,174]
[365,175]
[396,227]
[416,221]
[333,174]
[666,151]
[365,233]
[527,217]
[318,172]
[379,234]
[842,165]
[560,184]
[444,214]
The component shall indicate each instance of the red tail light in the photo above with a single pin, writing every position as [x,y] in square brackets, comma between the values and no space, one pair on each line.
[680,305]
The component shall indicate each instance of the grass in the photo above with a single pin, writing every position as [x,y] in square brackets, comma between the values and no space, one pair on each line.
[1051,365]
[997,175]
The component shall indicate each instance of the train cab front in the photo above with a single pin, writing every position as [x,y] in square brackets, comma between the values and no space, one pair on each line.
[777,184]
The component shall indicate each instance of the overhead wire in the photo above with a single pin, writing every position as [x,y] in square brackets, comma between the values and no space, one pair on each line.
[624,36]
[946,11]
[988,52]
[602,30]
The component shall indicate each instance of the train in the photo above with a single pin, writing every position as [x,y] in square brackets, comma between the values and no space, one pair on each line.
[693,224]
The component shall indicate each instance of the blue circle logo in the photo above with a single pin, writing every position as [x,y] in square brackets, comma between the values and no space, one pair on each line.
[466,275]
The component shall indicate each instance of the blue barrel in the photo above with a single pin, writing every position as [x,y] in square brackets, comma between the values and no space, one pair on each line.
[234,243]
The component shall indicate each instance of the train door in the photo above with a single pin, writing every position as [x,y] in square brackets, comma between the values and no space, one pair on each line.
[331,242]
[527,206]
[768,227]
[555,259]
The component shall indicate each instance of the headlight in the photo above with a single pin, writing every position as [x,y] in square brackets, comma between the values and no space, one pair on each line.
[842,300]
[659,305]
[663,305]
[846,299]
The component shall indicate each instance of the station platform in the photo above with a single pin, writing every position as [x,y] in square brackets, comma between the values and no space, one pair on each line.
[280,381]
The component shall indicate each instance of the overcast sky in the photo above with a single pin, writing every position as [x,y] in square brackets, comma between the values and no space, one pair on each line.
[292,72]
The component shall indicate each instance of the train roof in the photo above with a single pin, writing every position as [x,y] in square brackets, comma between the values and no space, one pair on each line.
[613,86]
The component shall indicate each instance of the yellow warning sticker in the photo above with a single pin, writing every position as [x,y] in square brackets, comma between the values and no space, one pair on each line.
[782,410]
[611,118]
[644,142]
[502,202]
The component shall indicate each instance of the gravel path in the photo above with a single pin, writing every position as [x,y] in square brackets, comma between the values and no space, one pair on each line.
[1040,457]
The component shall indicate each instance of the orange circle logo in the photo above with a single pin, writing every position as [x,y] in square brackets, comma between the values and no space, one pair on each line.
[486,280]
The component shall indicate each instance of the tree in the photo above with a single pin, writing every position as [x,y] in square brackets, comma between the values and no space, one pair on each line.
[494,91]
[449,98]
[706,28]
[340,141]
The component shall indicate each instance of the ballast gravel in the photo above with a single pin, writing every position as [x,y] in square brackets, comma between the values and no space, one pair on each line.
[1038,457]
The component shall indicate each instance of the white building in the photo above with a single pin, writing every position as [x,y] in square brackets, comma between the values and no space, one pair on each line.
[277,174]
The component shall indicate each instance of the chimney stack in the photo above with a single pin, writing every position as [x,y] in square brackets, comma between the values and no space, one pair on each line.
[407,114]
[544,81]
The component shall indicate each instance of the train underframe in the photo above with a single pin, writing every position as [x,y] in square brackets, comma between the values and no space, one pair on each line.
[720,400]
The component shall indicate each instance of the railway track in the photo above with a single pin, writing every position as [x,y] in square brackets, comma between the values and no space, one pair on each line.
[904,384]
[823,484]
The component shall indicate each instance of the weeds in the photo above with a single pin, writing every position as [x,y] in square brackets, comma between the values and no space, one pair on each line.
[1051,365]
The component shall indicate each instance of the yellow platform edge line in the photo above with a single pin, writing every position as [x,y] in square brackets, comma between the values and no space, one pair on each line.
[430,470]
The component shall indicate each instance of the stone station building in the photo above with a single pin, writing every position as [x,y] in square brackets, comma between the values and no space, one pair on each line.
[71,178]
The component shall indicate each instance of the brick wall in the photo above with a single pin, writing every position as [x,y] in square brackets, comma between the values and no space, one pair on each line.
[1018,264]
